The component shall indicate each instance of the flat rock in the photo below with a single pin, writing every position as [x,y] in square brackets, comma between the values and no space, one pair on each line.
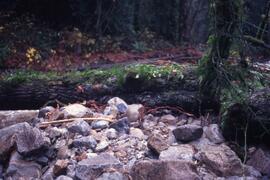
[167,170]
[214,134]
[157,144]
[222,161]
[76,111]
[187,133]
[121,126]
[31,141]
[261,161]
[87,142]
[80,127]
[8,139]
[180,152]
[91,168]
[21,169]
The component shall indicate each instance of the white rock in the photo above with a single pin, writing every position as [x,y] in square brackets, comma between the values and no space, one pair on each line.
[76,111]
[135,112]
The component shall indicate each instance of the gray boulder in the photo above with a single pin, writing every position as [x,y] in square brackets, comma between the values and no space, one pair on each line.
[187,133]
[31,141]
[223,161]
[8,139]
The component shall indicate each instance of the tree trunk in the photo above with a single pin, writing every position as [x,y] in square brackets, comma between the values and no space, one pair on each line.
[224,19]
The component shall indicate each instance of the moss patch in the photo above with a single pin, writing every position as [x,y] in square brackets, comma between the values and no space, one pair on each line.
[115,75]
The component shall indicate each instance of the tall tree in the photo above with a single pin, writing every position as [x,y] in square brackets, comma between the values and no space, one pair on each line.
[224,14]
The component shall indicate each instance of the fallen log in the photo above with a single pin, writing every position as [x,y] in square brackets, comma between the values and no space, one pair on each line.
[169,89]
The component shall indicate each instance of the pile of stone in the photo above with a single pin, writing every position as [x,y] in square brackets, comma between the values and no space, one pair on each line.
[135,146]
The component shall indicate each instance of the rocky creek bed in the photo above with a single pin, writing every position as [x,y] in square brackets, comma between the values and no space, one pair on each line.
[121,142]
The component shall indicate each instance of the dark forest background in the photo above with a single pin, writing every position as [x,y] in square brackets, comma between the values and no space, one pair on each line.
[176,20]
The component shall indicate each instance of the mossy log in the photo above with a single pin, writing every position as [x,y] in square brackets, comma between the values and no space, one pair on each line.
[135,87]
[250,120]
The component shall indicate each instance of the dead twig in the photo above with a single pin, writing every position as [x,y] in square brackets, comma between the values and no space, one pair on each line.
[45,124]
